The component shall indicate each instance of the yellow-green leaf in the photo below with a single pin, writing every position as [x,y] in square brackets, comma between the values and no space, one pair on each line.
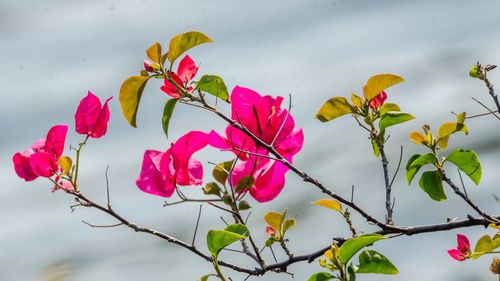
[389,106]
[65,163]
[333,108]
[130,97]
[330,204]
[185,41]
[154,52]
[378,83]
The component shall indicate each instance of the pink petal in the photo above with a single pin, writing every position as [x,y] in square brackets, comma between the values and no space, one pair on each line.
[463,243]
[54,144]
[101,124]
[22,167]
[187,69]
[87,113]
[43,164]
[150,179]
[456,254]
[182,150]
[269,184]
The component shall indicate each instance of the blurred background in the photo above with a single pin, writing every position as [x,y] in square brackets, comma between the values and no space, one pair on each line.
[52,52]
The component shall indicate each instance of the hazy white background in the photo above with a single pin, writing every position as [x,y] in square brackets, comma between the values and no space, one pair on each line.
[52,52]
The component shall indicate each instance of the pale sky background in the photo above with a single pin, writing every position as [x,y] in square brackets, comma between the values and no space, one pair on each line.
[52,52]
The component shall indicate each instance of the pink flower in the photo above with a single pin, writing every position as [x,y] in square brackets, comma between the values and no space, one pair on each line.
[162,171]
[91,118]
[463,251]
[378,100]
[264,117]
[40,160]
[185,73]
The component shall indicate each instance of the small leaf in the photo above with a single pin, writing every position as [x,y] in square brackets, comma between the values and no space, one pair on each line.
[243,205]
[374,262]
[447,129]
[388,106]
[185,41]
[287,224]
[468,162]
[212,188]
[416,162]
[215,86]
[392,118]
[154,52]
[244,183]
[378,83]
[432,184]
[333,108]
[486,244]
[130,97]
[356,100]
[221,171]
[417,137]
[330,204]
[275,220]
[167,114]
[65,163]
[376,150]
[353,245]
[219,239]
[321,276]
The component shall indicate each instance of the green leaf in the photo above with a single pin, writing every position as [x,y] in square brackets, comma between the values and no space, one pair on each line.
[243,205]
[167,114]
[374,262]
[244,183]
[392,118]
[221,171]
[376,150]
[388,106]
[212,188]
[154,52]
[378,83]
[321,276]
[287,224]
[486,244]
[416,162]
[333,108]
[330,204]
[215,86]
[353,245]
[130,96]
[432,184]
[185,41]
[219,239]
[468,162]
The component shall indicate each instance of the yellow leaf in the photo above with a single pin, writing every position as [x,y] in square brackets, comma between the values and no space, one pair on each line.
[417,137]
[330,204]
[333,108]
[130,96]
[378,83]
[65,163]
[185,41]
[154,52]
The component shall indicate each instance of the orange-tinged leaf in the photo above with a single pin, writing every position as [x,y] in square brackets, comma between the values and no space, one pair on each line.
[154,52]
[185,41]
[130,96]
[417,137]
[378,83]
[330,204]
